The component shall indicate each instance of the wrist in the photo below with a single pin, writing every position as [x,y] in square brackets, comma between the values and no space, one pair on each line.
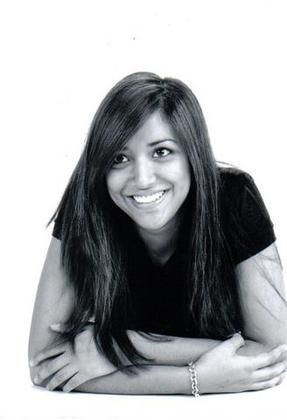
[193,379]
[203,384]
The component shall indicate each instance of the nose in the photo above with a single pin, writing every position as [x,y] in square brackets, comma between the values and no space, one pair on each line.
[144,174]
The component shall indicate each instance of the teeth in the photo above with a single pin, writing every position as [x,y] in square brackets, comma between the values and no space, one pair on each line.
[145,199]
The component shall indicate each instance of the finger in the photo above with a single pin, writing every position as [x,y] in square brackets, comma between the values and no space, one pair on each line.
[267,359]
[283,357]
[50,367]
[46,354]
[61,376]
[59,327]
[270,372]
[74,382]
[267,384]
[282,377]
[233,343]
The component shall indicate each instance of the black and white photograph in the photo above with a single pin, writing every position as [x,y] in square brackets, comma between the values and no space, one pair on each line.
[143,211]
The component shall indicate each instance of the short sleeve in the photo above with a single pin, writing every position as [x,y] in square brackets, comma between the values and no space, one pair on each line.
[250,227]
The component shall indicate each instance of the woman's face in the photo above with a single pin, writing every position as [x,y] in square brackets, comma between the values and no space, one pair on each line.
[150,177]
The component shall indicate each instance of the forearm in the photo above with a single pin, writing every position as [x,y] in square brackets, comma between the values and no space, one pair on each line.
[177,351]
[97,375]
[148,380]
[164,378]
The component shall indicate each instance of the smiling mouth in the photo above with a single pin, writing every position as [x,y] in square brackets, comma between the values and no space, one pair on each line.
[150,198]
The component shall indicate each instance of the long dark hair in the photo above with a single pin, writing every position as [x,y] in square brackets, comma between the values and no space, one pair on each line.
[92,255]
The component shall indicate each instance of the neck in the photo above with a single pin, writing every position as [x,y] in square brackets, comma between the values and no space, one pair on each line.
[161,243]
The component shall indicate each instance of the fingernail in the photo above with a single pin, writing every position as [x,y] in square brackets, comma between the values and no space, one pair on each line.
[282,348]
[32,363]
[55,327]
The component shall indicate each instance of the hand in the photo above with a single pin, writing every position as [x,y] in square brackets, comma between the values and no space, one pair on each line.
[222,370]
[71,368]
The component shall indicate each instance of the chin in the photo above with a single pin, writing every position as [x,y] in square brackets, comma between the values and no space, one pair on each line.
[152,226]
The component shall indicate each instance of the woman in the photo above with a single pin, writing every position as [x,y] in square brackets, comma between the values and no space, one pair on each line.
[159,257]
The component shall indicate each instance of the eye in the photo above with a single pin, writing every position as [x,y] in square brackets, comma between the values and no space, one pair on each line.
[120,159]
[161,152]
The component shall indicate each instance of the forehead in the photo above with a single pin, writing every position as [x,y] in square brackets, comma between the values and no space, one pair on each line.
[155,128]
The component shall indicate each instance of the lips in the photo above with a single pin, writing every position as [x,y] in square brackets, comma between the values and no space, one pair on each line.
[149,198]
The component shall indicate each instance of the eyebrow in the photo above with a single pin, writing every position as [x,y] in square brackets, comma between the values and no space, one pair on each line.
[154,143]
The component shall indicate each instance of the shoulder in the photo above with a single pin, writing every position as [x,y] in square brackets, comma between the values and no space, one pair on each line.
[233,179]
[245,218]
[239,193]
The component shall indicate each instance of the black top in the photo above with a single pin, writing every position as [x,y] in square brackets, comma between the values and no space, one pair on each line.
[157,291]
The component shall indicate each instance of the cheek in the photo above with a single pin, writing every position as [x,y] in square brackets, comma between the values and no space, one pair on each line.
[114,183]
[182,176]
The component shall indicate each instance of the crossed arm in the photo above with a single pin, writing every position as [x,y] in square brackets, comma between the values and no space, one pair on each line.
[250,363]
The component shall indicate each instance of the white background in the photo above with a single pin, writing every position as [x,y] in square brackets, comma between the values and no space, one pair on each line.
[58,60]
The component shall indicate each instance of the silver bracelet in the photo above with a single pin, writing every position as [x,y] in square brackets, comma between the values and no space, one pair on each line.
[193,379]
